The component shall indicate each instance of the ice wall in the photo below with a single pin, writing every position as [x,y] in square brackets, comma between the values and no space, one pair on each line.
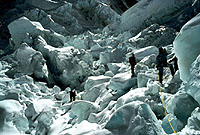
[187,46]
[147,12]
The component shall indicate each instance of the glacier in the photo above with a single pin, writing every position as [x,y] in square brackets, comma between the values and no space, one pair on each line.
[50,47]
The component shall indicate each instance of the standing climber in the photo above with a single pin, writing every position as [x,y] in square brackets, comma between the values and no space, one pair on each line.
[161,60]
[72,95]
[175,60]
[132,62]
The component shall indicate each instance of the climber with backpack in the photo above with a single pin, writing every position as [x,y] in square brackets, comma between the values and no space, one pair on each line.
[161,60]
[132,62]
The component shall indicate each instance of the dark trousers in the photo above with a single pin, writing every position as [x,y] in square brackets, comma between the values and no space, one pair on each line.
[72,98]
[160,73]
[132,69]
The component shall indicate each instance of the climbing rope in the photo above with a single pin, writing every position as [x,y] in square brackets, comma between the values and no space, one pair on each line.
[164,107]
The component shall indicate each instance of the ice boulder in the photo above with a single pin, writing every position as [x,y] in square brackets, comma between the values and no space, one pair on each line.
[68,65]
[21,26]
[1,66]
[46,21]
[105,14]
[193,126]
[192,85]
[100,132]
[149,61]
[95,80]
[45,4]
[112,56]
[175,105]
[12,120]
[153,87]
[145,76]
[27,61]
[86,128]
[39,106]
[134,118]
[187,42]
[154,35]
[166,126]
[137,94]
[69,18]
[95,92]
[122,81]
[109,73]
[115,67]
[82,109]
[146,51]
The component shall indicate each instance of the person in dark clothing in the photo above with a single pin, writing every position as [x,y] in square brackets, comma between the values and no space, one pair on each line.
[72,95]
[161,60]
[175,60]
[132,62]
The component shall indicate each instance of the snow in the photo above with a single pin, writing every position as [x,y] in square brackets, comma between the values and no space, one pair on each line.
[187,42]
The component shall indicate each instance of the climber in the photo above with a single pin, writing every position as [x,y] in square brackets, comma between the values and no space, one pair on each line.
[132,62]
[175,60]
[72,95]
[161,60]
